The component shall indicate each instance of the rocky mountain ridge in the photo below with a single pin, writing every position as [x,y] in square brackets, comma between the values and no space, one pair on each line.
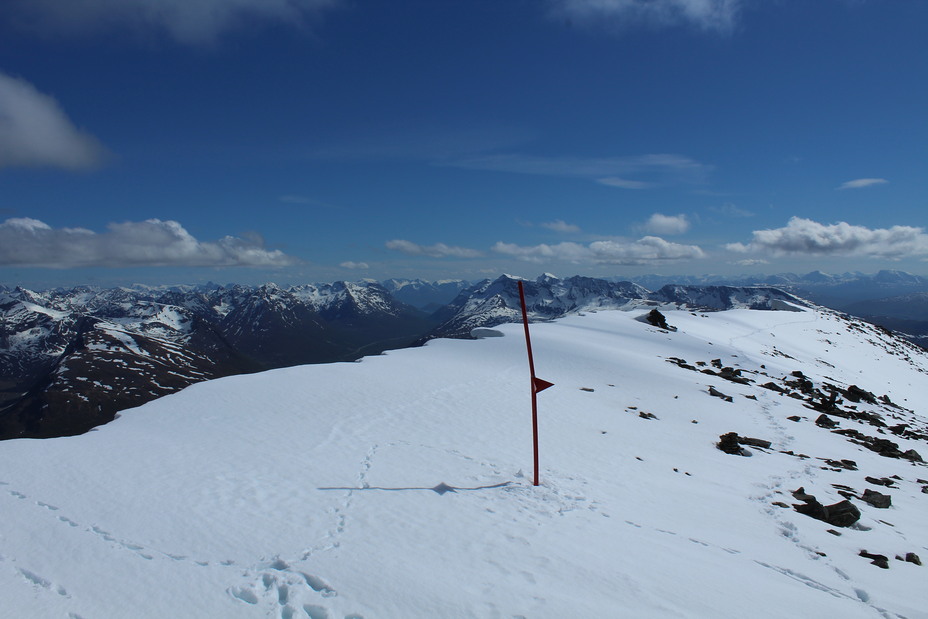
[71,359]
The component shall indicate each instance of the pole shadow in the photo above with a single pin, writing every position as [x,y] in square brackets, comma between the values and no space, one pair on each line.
[440,489]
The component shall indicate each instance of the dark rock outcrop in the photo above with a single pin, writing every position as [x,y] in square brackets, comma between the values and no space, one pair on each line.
[877,560]
[840,514]
[876,499]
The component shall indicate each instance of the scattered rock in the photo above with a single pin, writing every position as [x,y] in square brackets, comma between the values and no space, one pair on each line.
[848,465]
[877,499]
[882,446]
[833,532]
[794,418]
[911,557]
[729,444]
[882,481]
[645,415]
[656,319]
[824,421]
[733,375]
[719,394]
[754,442]
[774,387]
[841,514]
[856,394]
[878,560]
[587,389]
[781,504]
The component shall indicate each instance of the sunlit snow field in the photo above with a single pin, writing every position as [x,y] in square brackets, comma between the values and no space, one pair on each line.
[400,485]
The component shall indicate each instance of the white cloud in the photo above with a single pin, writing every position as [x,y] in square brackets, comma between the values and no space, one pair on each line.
[29,242]
[658,168]
[354,265]
[807,237]
[35,131]
[571,252]
[730,210]
[623,183]
[559,225]
[438,250]
[667,224]
[646,250]
[187,21]
[708,15]
[862,182]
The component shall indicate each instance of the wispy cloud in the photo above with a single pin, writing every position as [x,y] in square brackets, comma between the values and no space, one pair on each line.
[438,250]
[806,237]
[187,21]
[29,242]
[667,224]
[35,131]
[708,15]
[646,250]
[862,182]
[660,168]
[559,225]
[730,210]
[623,183]
[304,200]
[354,265]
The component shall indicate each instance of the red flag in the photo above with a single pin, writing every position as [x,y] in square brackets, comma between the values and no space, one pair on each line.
[541,384]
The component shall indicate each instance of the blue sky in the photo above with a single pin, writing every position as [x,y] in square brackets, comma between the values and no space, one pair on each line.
[181,141]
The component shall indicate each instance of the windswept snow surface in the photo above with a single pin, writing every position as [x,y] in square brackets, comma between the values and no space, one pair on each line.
[400,486]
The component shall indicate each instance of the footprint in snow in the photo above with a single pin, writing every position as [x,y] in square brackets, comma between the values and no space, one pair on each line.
[44,583]
[285,592]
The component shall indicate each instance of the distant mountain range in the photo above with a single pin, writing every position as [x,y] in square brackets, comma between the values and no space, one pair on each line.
[834,291]
[70,359]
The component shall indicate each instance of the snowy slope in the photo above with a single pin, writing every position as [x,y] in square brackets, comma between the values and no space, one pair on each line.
[399,486]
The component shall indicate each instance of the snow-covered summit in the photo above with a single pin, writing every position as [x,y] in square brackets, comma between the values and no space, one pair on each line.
[492,302]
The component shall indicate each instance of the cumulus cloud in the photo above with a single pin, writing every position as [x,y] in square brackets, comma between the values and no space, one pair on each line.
[807,237]
[707,15]
[354,265]
[658,168]
[559,225]
[862,182]
[438,250]
[646,250]
[187,21]
[27,242]
[667,224]
[35,131]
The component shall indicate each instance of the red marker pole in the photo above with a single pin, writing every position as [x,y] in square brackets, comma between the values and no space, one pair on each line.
[537,383]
